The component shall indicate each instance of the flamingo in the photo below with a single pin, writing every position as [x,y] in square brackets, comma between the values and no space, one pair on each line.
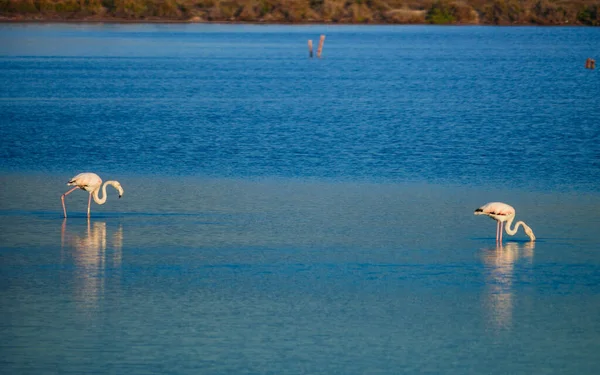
[502,212]
[91,183]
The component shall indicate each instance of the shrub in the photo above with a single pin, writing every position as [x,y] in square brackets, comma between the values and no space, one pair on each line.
[316,4]
[67,6]
[501,12]
[589,15]
[18,6]
[440,13]
[546,12]
[168,9]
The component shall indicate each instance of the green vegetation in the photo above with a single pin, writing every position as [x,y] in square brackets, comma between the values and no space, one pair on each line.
[446,12]
[493,12]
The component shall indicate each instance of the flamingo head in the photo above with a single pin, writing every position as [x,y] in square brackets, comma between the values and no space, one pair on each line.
[119,188]
[529,232]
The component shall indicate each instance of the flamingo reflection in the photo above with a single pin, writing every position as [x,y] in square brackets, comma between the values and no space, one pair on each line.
[90,257]
[500,264]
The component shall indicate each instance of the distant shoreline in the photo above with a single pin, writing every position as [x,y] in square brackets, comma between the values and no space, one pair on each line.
[306,12]
[306,23]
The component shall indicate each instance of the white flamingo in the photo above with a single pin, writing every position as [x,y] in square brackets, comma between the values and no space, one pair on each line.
[91,183]
[502,212]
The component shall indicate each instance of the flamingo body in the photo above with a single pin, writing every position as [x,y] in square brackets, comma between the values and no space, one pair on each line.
[86,181]
[92,183]
[496,210]
[503,213]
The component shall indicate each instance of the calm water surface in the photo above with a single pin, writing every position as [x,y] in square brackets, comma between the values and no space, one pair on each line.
[291,215]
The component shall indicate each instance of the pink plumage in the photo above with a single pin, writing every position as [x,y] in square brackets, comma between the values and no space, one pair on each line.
[502,212]
[91,183]
[496,208]
[86,181]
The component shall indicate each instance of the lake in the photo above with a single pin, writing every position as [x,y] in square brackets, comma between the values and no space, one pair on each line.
[287,214]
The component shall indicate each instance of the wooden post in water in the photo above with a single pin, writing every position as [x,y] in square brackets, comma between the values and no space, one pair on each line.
[320,49]
[590,63]
[310,50]
[587,63]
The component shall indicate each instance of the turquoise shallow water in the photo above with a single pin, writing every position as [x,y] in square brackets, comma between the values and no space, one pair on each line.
[273,276]
[287,215]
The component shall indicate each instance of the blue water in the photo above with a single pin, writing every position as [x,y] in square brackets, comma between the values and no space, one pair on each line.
[292,215]
[509,106]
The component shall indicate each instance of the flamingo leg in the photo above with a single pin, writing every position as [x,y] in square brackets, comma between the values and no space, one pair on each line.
[62,198]
[497,231]
[501,229]
[89,205]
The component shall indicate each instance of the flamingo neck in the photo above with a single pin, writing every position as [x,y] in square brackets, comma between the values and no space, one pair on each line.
[514,230]
[96,193]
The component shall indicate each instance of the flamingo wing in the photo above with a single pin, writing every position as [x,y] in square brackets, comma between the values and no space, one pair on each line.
[86,181]
[495,208]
